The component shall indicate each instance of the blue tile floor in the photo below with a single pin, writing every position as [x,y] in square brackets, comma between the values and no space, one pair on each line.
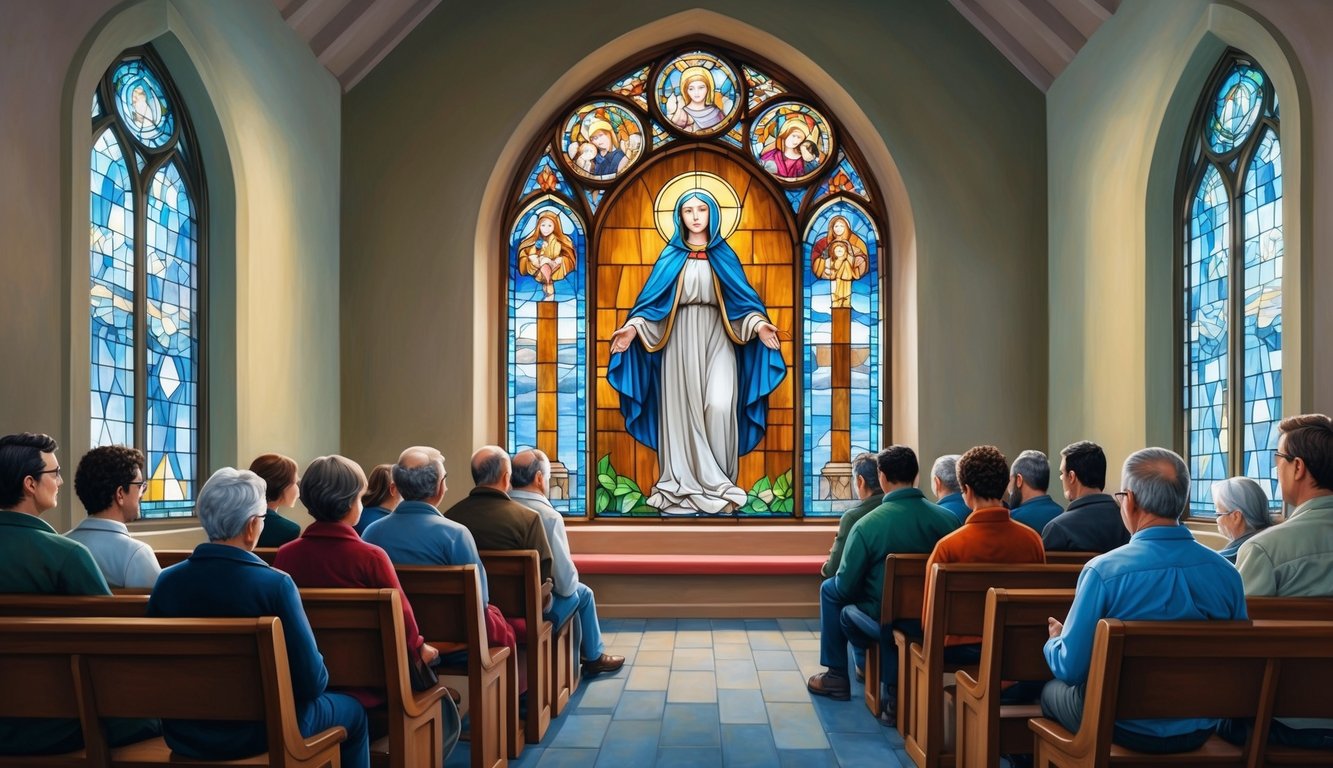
[711,692]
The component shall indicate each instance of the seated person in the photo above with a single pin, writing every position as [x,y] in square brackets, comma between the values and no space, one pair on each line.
[865,478]
[1242,511]
[279,474]
[1029,503]
[1091,522]
[109,483]
[36,560]
[380,499]
[1162,574]
[496,521]
[224,579]
[944,484]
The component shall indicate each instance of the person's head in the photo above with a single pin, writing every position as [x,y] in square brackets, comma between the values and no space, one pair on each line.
[380,490]
[694,212]
[944,476]
[547,223]
[809,151]
[532,471]
[634,143]
[279,472]
[839,249]
[331,489]
[792,134]
[491,467]
[29,473]
[1154,489]
[1242,506]
[897,467]
[983,474]
[1305,457]
[839,228]
[696,85]
[603,140]
[110,480]
[419,475]
[865,471]
[1082,469]
[1030,476]
[231,507]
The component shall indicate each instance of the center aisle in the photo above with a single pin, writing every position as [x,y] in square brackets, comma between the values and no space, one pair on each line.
[710,692]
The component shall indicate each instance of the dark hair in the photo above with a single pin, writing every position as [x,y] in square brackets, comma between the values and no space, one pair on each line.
[1310,439]
[866,467]
[21,458]
[378,486]
[985,470]
[898,463]
[330,486]
[1087,462]
[103,470]
[276,470]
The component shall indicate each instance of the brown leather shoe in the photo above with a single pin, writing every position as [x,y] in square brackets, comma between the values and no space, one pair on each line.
[603,663]
[833,686]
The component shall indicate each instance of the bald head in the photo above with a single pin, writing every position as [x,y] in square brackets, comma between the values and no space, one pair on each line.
[532,471]
[419,474]
[490,467]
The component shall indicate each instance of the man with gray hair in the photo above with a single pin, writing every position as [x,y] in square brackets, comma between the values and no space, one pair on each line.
[944,484]
[1162,574]
[1029,503]
[530,480]
[495,520]
[865,474]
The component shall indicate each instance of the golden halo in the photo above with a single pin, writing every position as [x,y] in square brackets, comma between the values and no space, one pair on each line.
[728,202]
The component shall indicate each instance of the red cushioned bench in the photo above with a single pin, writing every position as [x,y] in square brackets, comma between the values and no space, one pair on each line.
[700,565]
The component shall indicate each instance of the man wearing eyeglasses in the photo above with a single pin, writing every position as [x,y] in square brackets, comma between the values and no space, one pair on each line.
[109,482]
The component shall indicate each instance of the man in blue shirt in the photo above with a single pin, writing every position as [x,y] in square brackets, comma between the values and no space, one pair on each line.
[944,484]
[1028,501]
[1162,574]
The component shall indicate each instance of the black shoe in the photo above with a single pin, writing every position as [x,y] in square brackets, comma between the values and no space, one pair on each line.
[860,674]
[603,663]
[830,685]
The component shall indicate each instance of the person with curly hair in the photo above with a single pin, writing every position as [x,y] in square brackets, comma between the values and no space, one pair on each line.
[109,483]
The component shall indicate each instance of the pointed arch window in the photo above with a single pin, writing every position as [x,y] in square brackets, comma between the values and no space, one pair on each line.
[798,242]
[146,255]
[1231,278]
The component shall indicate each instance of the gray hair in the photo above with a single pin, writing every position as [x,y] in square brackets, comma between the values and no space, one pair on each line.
[1159,480]
[330,485]
[418,483]
[489,464]
[227,502]
[1246,495]
[527,465]
[1035,469]
[866,467]
[946,471]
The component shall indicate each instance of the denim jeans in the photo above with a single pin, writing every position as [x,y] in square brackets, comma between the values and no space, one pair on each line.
[583,602]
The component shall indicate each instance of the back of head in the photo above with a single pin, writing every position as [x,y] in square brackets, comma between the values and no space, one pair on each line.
[490,464]
[1159,480]
[417,473]
[227,502]
[330,486]
[898,464]
[379,486]
[946,471]
[1310,439]
[278,472]
[985,471]
[103,470]
[1087,462]
[21,457]
[528,466]
[1035,469]
[1246,495]
[864,466]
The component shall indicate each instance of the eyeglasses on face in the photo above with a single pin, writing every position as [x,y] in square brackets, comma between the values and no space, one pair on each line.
[1284,456]
[1120,497]
[55,471]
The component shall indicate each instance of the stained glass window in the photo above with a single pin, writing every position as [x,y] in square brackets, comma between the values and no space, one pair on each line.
[144,271]
[1232,244]
[757,389]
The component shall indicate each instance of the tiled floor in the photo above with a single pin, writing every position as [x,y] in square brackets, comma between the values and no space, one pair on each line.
[700,692]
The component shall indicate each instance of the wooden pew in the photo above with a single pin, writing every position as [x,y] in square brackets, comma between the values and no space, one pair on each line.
[904,588]
[74,606]
[169,557]
[1069,558]
[515,582]
[446,600]
[958,607]
[1290,608]
[158,668]
[1206,669]
[1012,638]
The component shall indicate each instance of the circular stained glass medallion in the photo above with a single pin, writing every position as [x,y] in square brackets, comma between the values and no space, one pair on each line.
[697,93]
[601,140]
[791,141]
[142,103]
[1236,108]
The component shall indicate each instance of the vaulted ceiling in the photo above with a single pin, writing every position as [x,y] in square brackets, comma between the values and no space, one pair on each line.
[1039,37]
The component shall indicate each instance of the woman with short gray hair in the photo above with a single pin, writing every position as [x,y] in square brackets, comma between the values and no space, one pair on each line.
[1242,511]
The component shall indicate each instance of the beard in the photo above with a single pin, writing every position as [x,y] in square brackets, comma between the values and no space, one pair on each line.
[1014,498]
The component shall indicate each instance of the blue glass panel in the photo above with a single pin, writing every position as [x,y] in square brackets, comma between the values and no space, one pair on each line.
[660,136]
[1207,356]
[1235,109]
[111,294]
[171,422]
[850,280]
[633,86]
[794,197]
[762,87]
[843,178]
[546,177]
[594,198]
[549,240]
[142,104]
[1263,313]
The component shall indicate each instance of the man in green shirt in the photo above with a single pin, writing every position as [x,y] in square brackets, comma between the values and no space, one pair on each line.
[904,523]
[34,559]
[865,474]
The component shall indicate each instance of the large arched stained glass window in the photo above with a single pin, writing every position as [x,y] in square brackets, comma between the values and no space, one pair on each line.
[145,269]
[1232,282]
[695,296]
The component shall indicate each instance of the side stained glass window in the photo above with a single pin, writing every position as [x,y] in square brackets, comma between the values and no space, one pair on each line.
[1232,284]
[145,267]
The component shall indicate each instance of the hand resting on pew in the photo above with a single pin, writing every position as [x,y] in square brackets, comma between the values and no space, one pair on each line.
[1054,626]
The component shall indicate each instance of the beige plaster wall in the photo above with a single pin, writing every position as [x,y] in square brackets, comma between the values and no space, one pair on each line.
[431,139]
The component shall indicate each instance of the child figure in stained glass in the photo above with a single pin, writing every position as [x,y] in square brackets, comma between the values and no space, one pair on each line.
[842,269]
[788,158]
[547,254]
[608,159]
[694,107]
